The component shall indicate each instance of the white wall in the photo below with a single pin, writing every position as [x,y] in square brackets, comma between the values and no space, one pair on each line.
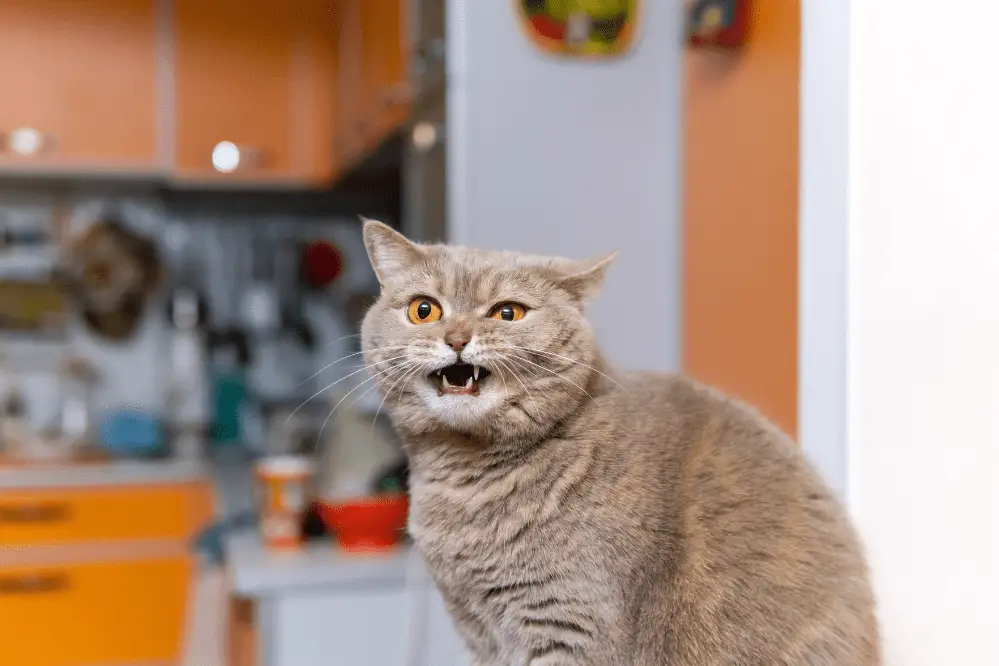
[822,238]
[921,323]
[575,158]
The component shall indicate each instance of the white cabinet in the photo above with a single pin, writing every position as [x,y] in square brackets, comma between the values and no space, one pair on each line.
[319,607]
[342,627]
[441,644]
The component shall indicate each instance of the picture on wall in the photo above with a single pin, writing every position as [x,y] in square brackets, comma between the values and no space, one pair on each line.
[581,28]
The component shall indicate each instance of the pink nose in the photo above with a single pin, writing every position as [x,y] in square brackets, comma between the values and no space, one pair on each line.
[457,340]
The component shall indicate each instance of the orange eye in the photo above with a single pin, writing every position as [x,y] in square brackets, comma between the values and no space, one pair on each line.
[424,310]
[508,312]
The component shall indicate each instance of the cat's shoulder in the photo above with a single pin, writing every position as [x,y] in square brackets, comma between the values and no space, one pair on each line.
[679,396]
[662,389]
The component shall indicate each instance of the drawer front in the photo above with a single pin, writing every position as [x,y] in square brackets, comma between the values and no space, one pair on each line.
[95,613]
[40,517]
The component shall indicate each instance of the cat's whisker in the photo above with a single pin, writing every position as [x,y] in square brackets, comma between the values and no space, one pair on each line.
[557,374]
[329,386]
[565,358]
[513,372]
[344,358]
[319,436]
[502,377]
[407,371]
[344,337]
[372,388]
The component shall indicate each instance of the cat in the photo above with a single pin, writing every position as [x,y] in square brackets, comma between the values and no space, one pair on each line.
[571,514]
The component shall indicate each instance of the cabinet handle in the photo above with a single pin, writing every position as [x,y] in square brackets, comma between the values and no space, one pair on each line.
[34,584]
[22,514]
[27,142]
[228,157]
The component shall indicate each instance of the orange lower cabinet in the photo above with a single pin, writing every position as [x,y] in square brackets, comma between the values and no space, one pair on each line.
[63,515]
[118,612]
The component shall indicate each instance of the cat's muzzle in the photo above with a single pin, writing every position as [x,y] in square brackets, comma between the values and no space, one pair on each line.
[459,379]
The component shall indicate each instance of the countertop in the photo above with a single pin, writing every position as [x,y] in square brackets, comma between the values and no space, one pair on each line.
[256,572]
[119,472]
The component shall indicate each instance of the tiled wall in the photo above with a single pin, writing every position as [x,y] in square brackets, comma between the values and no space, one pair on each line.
[220,228]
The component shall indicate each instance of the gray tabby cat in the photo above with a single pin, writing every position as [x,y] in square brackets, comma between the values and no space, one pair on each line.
[574,515]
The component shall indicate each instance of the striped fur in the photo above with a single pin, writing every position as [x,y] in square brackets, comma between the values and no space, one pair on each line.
[571,514]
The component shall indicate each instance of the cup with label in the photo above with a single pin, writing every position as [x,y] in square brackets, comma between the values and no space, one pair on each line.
[284,489]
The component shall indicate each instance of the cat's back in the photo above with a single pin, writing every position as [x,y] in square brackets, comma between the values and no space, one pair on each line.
[669,416]
[751,527]
[717,462]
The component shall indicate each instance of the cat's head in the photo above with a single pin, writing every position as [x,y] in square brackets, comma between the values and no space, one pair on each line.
[489,344]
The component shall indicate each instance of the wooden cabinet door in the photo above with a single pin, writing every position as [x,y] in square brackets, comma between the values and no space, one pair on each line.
[373,76]
[81,76]
[319,91]
[248,73]
[388,91]
[106,612]
[53,516]
[352,94]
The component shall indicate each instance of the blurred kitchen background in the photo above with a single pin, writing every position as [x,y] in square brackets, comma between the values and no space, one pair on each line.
[182,276]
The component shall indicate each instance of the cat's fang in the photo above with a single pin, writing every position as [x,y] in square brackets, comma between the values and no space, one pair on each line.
[469,382]
[475,372]
[444,382]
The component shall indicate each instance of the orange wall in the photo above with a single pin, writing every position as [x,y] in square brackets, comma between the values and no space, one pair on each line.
[741,217]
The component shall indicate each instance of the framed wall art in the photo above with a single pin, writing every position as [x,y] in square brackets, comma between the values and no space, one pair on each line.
[581,28]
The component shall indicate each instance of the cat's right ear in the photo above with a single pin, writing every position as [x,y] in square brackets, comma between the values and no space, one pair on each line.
[583,279]
[391,254]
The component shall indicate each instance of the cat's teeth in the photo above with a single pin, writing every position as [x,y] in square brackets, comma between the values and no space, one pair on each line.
[475,372]
[444,382]
[468,383]
[439,371]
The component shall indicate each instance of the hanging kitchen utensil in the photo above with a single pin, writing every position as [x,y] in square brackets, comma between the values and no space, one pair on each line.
[112,273]
[261,299]
[581,28]
[322,264]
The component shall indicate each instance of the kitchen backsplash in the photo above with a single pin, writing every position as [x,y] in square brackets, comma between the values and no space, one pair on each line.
[236,250]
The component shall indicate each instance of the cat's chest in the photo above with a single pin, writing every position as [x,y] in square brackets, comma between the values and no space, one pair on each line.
[477,549]
[472,543]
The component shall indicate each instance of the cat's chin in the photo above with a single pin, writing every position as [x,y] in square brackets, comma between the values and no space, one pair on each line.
[464,411]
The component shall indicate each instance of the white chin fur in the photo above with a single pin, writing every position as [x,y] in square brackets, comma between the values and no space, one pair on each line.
[460,411]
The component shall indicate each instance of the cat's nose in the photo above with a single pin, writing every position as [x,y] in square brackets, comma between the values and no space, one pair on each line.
[457,339]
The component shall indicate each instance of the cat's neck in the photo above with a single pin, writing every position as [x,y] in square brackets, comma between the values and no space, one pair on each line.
[440,451]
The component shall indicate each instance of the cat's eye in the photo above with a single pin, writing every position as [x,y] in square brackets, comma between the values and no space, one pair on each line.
[508,312]
[423,310]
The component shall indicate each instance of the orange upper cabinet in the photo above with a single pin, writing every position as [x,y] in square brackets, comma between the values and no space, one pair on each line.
[252,90]
[386,66]
[79,85]
[349,109]
[373,74]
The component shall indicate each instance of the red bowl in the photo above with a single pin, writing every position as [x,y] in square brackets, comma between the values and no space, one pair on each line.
[367,524]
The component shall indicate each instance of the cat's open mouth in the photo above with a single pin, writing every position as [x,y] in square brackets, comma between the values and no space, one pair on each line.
[459,379]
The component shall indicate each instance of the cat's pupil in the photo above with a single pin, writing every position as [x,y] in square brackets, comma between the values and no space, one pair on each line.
[507,313]
[423,310]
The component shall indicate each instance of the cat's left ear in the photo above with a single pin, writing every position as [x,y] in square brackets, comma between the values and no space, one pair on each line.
[391,254]
[584,278]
